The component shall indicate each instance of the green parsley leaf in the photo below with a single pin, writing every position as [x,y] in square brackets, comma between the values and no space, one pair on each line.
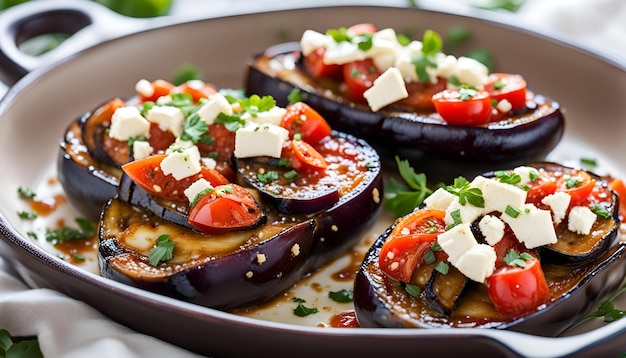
[461,188]
[256,104]
[508,177]
[86,230]
[186,72]
[600,211]
[403,200]
[200,195]
[456,219]
[363,41]
[231,122]
[508,5]
[431,43]
[294,96]
[268,176]
[467,92]
[514,258]
[589,163]
[341,296]
[26,193]
[301,310]
[27,215]
[339,35]
[512,211]
[412,290]
[162,251]
[571,182]
[194,128]
[28,348]
[292,174]
[606,309]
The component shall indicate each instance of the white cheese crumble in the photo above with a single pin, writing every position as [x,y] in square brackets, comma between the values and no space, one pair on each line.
[213,106]
[144,88]
[168,118]
[127,122]
[256,140]
[440,199]
[196,188]
[478,262]
[581,219]
[182,163]
[273,116]
[141,149]
[558,203]
[533,227]
[388,88]
[492,228]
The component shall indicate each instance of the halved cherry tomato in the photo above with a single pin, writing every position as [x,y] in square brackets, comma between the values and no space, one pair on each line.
[148,175]
[516,291]
[362,28]
[228,207]
[411,237]
[308,157]
[620,188]
[511,87]
[160,87]
[196,88]
[578,184]
[358,77]
[160,139]
[301,118]
[421,94]
[456,109]
[314,64]
[541,187]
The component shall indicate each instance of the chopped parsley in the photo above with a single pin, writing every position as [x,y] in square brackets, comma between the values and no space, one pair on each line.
[431,45]
[292,174]
[341,296]
[412,290]
[200,195]
[442,268]
[512,211]
[572,182]
[162,251]
[294,96]
[456,219]
[268,176]
[606,309]
[589,163]
[461,188]
[186,72]
[514,258]
[26,193]
[86,230]
[301,310]
[467,92]
[508,177]
[256,104]
[403,200]
[194,128]
[27,215]
[600,211]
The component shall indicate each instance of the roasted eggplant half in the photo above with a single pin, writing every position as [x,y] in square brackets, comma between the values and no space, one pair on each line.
[502,251]
[181,227]
[410,126]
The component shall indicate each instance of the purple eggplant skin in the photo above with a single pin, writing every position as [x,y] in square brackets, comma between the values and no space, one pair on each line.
[248,274]
[87,182]
[527,136]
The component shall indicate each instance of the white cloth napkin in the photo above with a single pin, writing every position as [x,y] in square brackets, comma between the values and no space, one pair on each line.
[69,328]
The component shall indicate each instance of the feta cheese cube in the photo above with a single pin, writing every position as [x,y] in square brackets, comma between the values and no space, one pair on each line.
[342,53]
[389,87]
[456,241]
[504,106]
[312,40]
[533,227]
[256,140]
[196,187]
[446,66]
[468,212]
[141,149]
[127,123]
[471,72]
[385,48]
[182,163]
[404,61]
[440,199]
[478,262]
[558,203]
[526,174]
[178,145]
[144,88]
[581,219]
[492,228]
[208,162]
[168,118]
[498,196]
[213,106]
[273,116]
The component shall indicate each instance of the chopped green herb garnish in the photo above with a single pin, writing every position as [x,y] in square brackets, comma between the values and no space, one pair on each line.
[600,211]
[78,257]
[606,309]
[508,5]
[514,258]
[429,257]
[403,200]
[467,92]
[231,122]
[456,219]
[256,104]
[292,174]
[87,230]
[186,72]
[431,45]
[508,177]
[412,290]
[461,188]
[194,128]
[268,176]
[301,310]
[294,96]
[200,195]
[25,193]
[442,267]
[27,215]
[533,175]
[32,235]
[341,296]
[571,182]
[590,163]
[28,348]
[162,251]
[512,211]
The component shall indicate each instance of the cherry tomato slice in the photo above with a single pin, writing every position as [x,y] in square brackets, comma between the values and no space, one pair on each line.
[160,87]
[541,187]
[516,291]
[301,118]
[456,109]
[228,207]
[148,175]
[196,88]
[362,28]
[358,77]
[578,184]
[314,65]
[411,237]
[308,158]
[511,87]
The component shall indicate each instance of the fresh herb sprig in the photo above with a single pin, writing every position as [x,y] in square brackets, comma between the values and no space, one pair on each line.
[606,309]
[87,229]
[27,348]
[403,198]
[162,251]
[461,188]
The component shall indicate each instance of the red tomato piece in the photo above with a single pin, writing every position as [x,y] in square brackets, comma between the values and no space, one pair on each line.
[301,118]
[226,208]
[618,186]
[160,88]
[362,28]
[541,187]
[308,157]
[457,109]
[358,77]
[578,184]
[148,175]
[314,65]
[411,237]
[516,291]
[196,88]
[511,87]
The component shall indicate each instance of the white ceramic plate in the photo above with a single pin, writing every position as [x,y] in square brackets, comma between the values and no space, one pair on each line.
[37,109]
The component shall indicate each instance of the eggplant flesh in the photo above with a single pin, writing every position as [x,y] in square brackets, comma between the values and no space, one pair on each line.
[579,273]
[526,136]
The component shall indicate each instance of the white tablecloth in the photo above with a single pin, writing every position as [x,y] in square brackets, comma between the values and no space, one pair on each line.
[69,328]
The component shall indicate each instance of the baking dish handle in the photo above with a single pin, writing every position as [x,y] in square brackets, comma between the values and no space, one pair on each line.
[86,22]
